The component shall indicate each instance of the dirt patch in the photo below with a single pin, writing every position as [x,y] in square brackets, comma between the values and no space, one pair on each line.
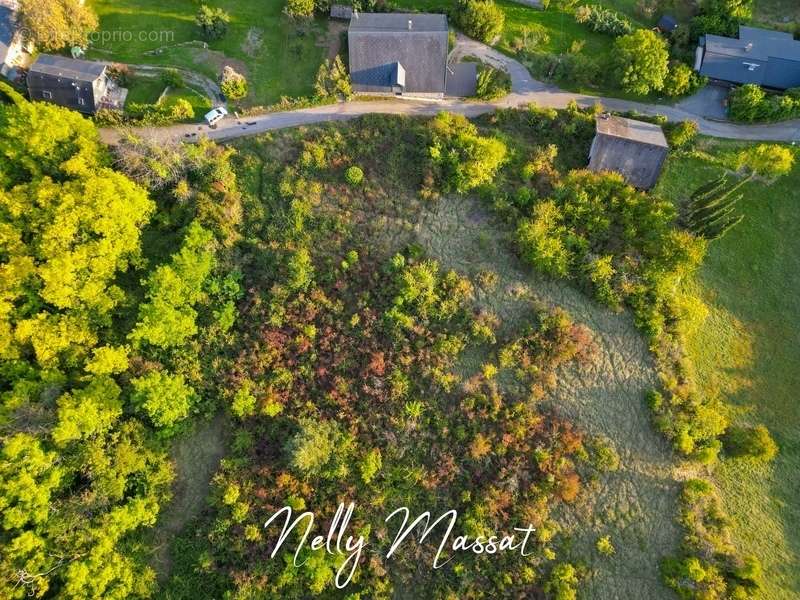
[196,458]
[217,60]
[332,39]
[253,41]
[636,506]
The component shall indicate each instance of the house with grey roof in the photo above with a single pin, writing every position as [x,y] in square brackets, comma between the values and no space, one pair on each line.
[634,149]
[82,85]
[11,43]
[398,54]
[761,56]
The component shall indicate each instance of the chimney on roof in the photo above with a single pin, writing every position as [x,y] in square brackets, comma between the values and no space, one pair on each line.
[409,24]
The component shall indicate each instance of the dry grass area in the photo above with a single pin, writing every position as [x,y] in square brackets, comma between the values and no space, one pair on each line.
[195,458]
[636,505]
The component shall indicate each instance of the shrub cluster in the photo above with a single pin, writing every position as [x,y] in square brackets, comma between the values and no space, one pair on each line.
[480,19]
[492,83]
[710,566]
[603,20]
[333,80]
[750,103]
[344,377]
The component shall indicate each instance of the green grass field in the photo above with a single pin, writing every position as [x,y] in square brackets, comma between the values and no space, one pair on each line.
[748,350]
[280,57]
[200,104]
[144,90]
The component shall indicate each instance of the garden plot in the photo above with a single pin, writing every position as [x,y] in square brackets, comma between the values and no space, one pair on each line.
[636,506]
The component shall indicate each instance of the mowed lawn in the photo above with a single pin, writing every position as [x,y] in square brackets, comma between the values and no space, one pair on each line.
[279,56]
[749,350]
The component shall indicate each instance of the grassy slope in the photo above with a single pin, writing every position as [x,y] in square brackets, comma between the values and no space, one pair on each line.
[748,350]
[775,11]
[284,65]
[144,90]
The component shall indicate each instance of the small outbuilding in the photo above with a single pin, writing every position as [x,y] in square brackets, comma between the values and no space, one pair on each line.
[82,85]
[341,11]
[399,54]
[667,24]
[634,149]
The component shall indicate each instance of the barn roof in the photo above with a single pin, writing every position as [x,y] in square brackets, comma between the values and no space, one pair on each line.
[630,129]
[67,68]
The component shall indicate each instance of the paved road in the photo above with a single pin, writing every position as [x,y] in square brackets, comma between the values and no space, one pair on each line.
[525,90]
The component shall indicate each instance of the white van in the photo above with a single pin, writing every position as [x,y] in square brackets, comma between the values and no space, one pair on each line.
[215,115]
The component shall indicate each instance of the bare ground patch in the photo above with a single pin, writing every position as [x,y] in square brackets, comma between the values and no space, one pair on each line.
[217,60]
[253,41]
[332,38]
[196,458]
[637,505]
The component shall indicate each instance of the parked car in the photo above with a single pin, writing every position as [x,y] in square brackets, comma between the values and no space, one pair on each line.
[215,115]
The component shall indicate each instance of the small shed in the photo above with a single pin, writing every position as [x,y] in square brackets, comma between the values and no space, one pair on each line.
[667,24]
[634,149]
[341,11]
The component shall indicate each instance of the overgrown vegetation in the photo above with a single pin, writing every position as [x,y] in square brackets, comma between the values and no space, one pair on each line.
[86,404]
[750,104]
[492,83]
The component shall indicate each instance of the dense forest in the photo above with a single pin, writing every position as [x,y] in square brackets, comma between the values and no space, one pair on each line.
[279,282]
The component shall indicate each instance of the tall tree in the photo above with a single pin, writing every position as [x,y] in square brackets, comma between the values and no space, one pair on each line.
[55,24]
[70,225]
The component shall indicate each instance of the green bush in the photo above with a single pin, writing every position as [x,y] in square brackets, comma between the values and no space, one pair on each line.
[299,8]
[333,80]
[679,80]
[492,83]
[354,175]
[213,22]
[460,159]
[232,84]
[172,78]
[750,442]
[682,135]
[164,398]
[749,104]
[480,19]
[603,20]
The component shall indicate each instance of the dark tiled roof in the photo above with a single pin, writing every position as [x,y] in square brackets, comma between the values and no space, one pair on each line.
[377,42]
[761,56]
[68,68]
[397,22]
[667,23]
